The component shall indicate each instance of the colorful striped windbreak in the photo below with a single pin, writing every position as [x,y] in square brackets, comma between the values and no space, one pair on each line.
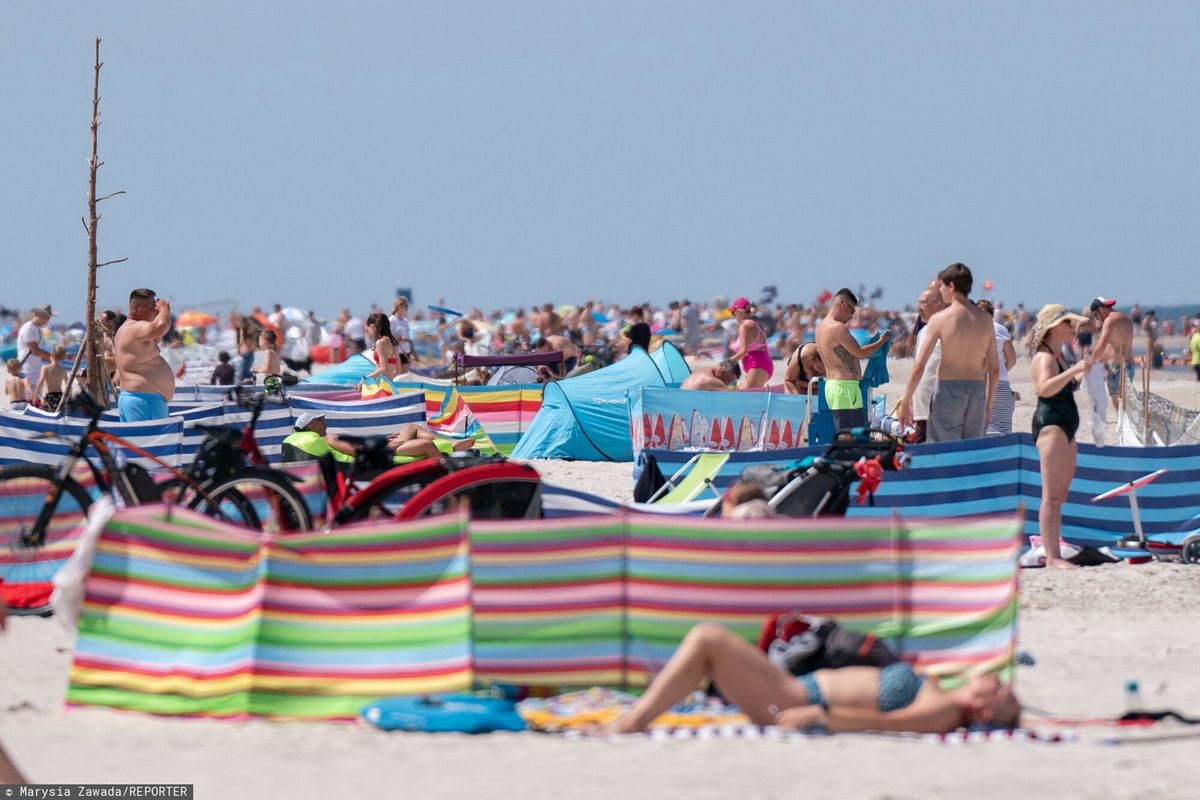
[189,616]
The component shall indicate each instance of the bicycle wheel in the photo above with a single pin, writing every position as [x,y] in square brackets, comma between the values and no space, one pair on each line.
[257,498]
[28,561]
[385,498]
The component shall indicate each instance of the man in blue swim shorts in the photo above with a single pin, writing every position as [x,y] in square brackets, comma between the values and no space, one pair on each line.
[147,382]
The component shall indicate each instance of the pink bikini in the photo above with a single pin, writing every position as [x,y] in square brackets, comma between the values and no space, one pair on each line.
[757,355]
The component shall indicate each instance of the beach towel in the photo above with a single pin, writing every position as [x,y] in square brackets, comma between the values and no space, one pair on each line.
[876,372]
[591,708]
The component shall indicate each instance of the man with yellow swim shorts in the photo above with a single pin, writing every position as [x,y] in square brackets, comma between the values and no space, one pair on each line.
[841,352]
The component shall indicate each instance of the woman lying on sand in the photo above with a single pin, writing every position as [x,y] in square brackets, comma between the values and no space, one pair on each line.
[848,699]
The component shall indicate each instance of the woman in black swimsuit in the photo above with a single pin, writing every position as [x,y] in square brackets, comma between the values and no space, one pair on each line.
[1055,420]
[804,364]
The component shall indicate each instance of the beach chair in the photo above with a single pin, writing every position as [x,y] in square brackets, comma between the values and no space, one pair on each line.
[692,479]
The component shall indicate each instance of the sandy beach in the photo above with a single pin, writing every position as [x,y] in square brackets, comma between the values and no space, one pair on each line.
[1088,632]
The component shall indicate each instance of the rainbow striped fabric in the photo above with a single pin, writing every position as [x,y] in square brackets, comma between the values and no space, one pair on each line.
[183,615]
[504,411]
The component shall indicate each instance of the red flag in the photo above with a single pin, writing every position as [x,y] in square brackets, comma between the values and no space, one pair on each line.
[824,297]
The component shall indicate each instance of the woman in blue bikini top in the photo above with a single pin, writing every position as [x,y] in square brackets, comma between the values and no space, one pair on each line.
[893,698]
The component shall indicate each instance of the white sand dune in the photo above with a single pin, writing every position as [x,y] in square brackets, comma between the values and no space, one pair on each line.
[1089,631]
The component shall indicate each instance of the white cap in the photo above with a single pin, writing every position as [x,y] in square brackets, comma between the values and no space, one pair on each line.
[306,418]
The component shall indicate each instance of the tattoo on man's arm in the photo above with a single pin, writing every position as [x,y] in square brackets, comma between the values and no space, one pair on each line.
[848,361]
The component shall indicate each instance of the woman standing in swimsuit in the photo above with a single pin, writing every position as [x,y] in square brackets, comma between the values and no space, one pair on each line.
[892,698]
[1055,420]
[751,347]
[387,356]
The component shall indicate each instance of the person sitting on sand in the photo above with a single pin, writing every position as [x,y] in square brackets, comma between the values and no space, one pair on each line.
[892,698]
[804,364]
[715,378]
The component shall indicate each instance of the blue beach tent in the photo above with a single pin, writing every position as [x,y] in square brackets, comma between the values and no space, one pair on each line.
[348,373]
[587,417]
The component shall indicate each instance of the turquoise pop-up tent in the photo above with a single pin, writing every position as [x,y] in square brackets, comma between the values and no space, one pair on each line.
[347,373]
[587,417]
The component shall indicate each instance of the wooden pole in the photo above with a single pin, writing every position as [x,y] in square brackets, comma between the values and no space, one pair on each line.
[91,351]
[1146,394]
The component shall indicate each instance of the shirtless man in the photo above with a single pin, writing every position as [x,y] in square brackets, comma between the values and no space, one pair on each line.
[966,379]
[147,382]
[714,378]
[840,352]
[1113,346]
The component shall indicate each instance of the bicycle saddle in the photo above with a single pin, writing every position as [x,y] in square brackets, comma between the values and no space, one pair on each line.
[226,436]
[87,404]
[373,452]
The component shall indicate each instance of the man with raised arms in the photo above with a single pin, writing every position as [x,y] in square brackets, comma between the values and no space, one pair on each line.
[840,353]
[1114,345]
[147,382]
[967,376]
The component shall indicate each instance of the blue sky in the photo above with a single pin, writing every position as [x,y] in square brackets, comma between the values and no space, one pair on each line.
[320,154]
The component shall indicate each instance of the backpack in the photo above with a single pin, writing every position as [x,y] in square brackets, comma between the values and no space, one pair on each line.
[649,480]
[800,644]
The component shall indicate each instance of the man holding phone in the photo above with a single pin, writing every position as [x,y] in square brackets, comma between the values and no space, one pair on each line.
[147,382]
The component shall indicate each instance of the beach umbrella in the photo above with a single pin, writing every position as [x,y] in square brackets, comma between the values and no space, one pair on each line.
[195,319]
[295,315]
[261,318]
[444,310]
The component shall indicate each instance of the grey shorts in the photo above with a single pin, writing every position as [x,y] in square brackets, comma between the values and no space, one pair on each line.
[957,411]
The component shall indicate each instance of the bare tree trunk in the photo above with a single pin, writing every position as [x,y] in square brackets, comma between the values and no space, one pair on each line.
[92,351]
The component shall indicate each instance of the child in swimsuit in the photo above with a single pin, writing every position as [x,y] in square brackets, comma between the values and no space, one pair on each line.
[53,382]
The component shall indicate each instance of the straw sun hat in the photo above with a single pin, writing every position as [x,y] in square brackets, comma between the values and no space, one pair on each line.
[1052,314]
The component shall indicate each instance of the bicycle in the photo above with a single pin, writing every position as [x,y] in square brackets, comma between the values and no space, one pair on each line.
[494,487]
[231,474]
[40,505]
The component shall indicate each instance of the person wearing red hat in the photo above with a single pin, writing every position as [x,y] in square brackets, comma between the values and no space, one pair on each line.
[751,347]
[1114,345]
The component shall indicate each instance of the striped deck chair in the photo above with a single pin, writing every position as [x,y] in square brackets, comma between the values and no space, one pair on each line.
[692,479]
